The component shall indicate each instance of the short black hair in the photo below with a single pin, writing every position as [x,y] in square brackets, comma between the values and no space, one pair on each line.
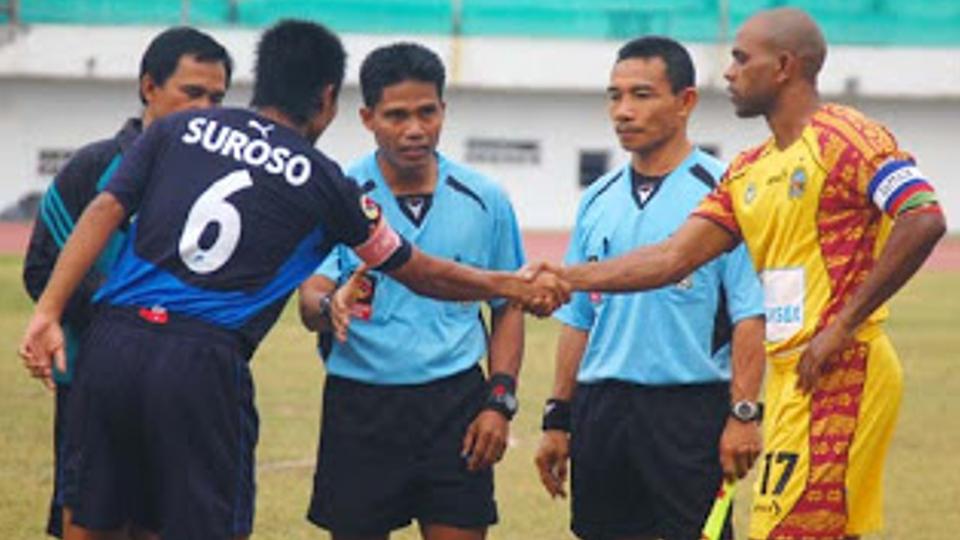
[397,63]
[163,54]
[676,58]
[296,59]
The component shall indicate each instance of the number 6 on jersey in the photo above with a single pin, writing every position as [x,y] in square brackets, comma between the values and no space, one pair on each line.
[212,207]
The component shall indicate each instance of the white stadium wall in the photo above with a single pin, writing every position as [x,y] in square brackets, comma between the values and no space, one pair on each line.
[525,109]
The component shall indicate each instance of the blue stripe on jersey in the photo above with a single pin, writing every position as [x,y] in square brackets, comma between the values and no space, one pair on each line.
[897,192]
[884,172]
[112,250]
[55,216]
[457,185]
[137,282]
[605,187]
[108,172]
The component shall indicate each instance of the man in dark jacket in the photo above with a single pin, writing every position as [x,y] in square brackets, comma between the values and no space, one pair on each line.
[181,69]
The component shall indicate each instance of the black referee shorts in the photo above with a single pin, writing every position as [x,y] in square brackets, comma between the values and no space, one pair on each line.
[645,459]
[391,454]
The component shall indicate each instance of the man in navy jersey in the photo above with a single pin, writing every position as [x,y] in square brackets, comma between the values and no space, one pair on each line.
[642,396]
[410,426]
[234,208]
[181,69]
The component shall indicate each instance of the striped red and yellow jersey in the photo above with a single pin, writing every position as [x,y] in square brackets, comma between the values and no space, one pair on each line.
[815,216]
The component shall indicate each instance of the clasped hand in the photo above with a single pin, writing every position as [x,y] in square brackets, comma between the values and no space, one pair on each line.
[545,289]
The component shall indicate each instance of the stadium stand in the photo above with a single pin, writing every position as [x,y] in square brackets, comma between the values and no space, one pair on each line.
[854,22]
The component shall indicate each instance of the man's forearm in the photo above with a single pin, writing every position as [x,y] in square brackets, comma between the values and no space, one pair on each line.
[644,268]
[506,340]
[446,280]
[748,359]
[696,242]
[93,230]
[310,294]
[911,241]
[570,348]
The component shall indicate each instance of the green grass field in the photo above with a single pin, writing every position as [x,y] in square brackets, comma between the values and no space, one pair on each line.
[923,480]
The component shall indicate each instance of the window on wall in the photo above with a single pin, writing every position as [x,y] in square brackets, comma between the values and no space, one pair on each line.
[51,160]
[593,164]
[507,151]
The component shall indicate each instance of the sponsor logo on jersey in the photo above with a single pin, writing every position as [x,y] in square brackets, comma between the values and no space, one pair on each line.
[370,208]
[750,193]
[784,290]
[768,508]
[233,143]
[363,307]
[798,183]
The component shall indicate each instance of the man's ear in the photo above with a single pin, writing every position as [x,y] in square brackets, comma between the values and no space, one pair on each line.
[328,99]
[366,116]
[788,66]
[147,87]
[689,97]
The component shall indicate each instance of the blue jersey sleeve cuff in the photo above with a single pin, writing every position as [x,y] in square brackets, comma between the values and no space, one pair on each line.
[740,316]
[568,316]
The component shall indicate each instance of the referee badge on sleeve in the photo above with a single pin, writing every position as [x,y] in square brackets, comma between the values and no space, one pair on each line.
[595,296]
[363,308]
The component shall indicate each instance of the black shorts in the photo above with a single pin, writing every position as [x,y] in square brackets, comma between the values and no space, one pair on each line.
[55,518]
[161,429]
[391,454]
[645,460]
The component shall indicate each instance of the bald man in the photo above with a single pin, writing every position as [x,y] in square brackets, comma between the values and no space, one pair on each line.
[837,218]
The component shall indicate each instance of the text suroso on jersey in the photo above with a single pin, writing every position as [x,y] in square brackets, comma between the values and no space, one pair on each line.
[230,142]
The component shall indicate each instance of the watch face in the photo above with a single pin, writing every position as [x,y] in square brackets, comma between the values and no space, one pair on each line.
[745,410]
[508,401]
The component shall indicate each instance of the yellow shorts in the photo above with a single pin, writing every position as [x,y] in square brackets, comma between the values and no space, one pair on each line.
[821,474]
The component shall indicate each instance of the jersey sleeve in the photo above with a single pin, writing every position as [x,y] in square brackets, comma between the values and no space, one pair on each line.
[507,250]
[130,181]
[60,208]
[890,178]
[718,208]
[742,285]
[358,221]
[578,312]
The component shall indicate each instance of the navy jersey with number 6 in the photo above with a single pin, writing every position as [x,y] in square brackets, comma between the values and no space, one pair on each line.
[231,212]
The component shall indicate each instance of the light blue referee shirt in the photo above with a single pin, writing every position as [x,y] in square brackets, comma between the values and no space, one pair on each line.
[663,336]
[412,339]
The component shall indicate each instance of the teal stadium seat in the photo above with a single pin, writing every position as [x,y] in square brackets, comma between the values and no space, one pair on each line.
[928,9]
[860,22]
[362,16]
[586,19]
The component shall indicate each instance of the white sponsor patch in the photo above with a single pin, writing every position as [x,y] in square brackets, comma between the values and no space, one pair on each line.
[783,292]
[892,182]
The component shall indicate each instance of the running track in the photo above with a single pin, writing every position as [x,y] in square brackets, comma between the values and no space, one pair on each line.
[540,245]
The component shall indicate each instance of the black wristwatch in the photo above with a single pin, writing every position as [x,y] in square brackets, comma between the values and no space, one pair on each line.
[324,306]
[503,395]
[556,415]
[747,411]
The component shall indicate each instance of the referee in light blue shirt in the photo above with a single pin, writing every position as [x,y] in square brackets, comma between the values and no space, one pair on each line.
[643,395]
[411,426]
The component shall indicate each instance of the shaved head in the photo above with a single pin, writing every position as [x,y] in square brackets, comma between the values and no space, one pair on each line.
[791,30]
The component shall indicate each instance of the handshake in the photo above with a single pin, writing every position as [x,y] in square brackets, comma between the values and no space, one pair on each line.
[540,288]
